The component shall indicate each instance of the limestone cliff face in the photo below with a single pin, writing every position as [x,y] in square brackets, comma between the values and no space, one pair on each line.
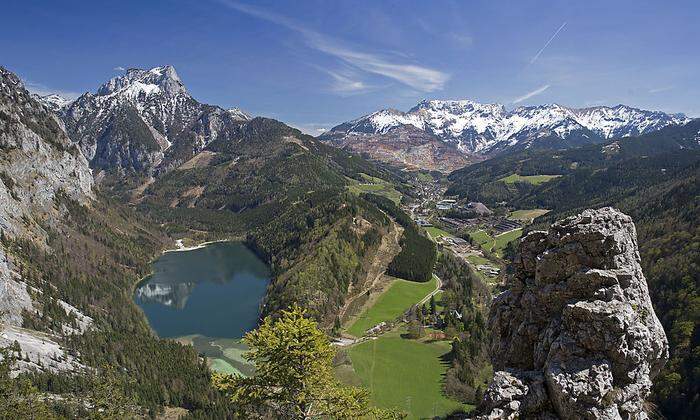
[37,162]
[575,335]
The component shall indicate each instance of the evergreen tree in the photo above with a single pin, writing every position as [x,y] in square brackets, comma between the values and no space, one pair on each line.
[294,375]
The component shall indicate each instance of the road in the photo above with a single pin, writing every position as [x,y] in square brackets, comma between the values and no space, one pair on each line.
[434,292]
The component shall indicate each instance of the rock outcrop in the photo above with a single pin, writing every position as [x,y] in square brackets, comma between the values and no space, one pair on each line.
[575,335]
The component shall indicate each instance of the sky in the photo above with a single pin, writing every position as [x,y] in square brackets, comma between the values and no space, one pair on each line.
[315,63]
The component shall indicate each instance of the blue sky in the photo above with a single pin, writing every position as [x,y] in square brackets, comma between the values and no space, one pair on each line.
[314,64]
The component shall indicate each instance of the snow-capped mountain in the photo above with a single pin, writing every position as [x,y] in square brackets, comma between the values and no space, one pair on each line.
[476,128]
[145,121]
[53,102]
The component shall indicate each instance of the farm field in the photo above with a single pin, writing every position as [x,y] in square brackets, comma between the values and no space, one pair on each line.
[392,303]
[478,260]
[527,215]
[405,374]
[530,179]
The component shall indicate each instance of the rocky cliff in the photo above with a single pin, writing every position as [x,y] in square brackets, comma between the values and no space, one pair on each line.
[575,335]
[37,163]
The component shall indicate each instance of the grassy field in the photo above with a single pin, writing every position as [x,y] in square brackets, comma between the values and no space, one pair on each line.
[527,215]
[494,244]
[392,303]
[502,240]
[478,260]
[436,232]
[531,179]
[483,239]
[405,374]
[376,186]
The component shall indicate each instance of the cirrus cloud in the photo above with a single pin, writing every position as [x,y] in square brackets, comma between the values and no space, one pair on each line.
[419,77]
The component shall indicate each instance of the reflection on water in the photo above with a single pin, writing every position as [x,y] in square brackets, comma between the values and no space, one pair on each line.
[213,291]
[174,295]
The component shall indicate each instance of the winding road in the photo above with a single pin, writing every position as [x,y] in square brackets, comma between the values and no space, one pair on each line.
[434,292]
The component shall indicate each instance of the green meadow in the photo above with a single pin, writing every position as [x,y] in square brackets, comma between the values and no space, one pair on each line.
[405,374]
[436,232]
[374,185]
[401,295]
[530,179]
[482,238]
[527,215]
[501,241]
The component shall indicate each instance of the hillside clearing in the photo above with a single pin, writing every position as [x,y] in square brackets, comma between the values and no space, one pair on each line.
[436,232]
[530,179]
[501,241]
[400,296]
[527,215]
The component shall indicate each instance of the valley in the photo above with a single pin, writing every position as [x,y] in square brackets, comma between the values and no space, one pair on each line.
[147,237]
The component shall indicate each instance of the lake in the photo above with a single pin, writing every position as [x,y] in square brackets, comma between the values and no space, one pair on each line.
[208,297]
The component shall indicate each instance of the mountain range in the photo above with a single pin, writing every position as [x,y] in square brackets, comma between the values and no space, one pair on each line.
[72,245]
[472,130]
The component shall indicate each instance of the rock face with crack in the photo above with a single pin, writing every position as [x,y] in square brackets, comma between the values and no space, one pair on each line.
[575,335]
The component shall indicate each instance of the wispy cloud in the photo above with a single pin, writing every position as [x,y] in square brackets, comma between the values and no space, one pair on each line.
[119,68]
[418,77]
[345,83]
[532,61]
[43,90]
[660,89]
[530,94]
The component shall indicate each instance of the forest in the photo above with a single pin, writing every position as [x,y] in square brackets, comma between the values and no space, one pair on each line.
[416,259]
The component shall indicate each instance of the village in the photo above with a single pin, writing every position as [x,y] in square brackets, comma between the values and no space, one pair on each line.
[469,229]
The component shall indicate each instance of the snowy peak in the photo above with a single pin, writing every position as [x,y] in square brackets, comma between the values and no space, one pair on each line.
[146,121]
[52,101]
[239,114]
[137,82]
[625,121]
[479,128]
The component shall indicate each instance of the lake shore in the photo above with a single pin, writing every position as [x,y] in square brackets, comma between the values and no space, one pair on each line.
[181,247]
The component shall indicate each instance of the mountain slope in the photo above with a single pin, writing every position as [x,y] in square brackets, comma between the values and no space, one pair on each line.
[483,129]
[402,146]
[68,259]
[483,181]
[144,121]
[285,192]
